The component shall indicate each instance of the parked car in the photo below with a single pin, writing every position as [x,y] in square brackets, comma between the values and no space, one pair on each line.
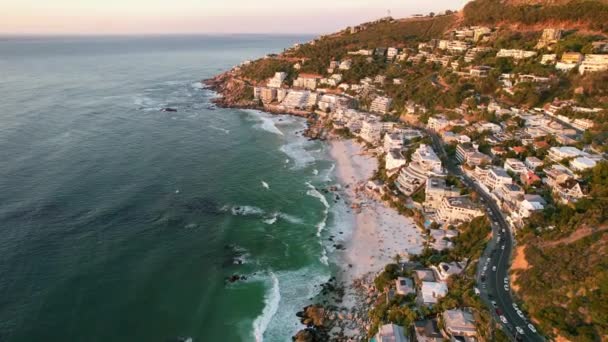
[494,268]
[520,330]
[532,328]
[503,319]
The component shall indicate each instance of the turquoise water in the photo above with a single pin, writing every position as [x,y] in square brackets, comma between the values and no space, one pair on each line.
[121,222]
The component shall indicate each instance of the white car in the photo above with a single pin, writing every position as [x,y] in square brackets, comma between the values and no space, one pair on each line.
[506,280]
[515,307]
[507,288]
[519,330]
[494,268]
[521,314]
[532,328]
[503,319]
[502,247]
[494,304]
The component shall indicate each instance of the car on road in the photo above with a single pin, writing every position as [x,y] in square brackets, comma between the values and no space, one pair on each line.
[506,287]
[494,268]
[493,302]
[532,328]
[496,224]
[506,280]
[521,314]
[502,247]
[503,319]
[483,279]
[520,330]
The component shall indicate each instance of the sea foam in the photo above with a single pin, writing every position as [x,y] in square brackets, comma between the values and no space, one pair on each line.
[271,306]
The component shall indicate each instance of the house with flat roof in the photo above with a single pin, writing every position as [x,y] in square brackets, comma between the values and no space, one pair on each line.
[427,331]
[436,190]
[405,286]
[391,333]
[446,269]
[459,322]
[431,292]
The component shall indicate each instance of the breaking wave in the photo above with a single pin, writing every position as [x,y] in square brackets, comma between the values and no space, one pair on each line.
[271,306]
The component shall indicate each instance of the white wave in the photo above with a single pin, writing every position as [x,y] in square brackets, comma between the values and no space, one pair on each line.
[272,219]
[315,193]
[286,161]
[315,172]
[220,129]
[329,172]
[290,218]
[265,185]
[295,290]
[271,306]
[246,210]
[266,122]
[296,151]
[197,85]
[324,259]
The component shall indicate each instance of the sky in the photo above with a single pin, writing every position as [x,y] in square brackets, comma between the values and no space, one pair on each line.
[201,16]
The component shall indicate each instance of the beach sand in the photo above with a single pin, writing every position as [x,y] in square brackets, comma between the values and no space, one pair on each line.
[380,232]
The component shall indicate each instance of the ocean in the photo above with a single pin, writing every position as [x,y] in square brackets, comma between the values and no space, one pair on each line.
[121,222]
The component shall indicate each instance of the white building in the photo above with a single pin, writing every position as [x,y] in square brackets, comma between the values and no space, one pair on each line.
[277,80]
[582,163]
[431,292]
[533,162]
[307,81]
[424,164]
[547,59]
[560,153]
[393,141]
[371,131]
[458,322]
[493,177]
[437,123]
[380,105]
[515,166]
[515,54]
[393,161]
[436,190]
[593,63]
[445,270]
[391,53]
[454,210]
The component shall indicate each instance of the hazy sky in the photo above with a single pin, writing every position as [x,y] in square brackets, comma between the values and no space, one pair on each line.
[201,16]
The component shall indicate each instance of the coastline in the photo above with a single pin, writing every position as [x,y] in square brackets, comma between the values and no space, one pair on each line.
[376,234]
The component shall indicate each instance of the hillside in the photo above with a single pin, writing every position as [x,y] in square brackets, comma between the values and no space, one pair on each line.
[591,15]
[565,284]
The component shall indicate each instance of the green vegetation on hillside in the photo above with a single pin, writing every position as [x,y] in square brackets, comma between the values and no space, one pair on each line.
[566,284]
[592,13]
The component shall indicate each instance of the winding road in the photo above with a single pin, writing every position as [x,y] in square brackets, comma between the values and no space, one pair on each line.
[493,267]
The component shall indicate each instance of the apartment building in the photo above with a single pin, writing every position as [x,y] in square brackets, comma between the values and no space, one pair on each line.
[455,210]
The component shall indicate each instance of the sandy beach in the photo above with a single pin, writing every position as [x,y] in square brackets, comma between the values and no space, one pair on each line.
[380,232]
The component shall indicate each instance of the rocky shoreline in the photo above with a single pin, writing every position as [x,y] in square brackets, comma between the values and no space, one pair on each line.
[232,91]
